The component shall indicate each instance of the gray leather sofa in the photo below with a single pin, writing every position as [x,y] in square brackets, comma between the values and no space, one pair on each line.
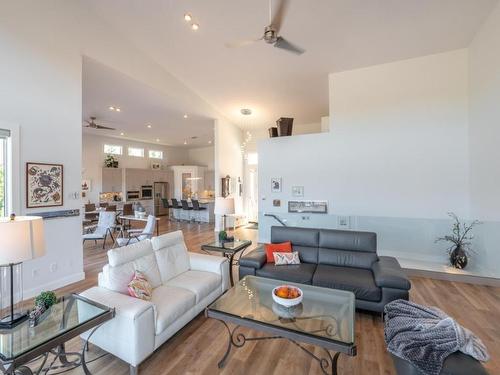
[336,259]
[455,364]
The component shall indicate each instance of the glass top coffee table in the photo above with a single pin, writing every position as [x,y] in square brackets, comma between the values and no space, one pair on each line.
[325,318]
[71,316]
[228,249]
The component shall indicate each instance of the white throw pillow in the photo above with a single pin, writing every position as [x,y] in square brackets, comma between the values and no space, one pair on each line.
[171,255]
[282,259]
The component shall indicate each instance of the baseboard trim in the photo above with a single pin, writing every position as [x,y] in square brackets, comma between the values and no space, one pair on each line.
[56,284]
[469,279]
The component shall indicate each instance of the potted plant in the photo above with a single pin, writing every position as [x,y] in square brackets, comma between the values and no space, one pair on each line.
[110,161]
[460,241]
[42,303]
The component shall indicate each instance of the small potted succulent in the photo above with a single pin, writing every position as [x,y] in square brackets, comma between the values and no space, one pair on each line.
[42,303]
[460,241]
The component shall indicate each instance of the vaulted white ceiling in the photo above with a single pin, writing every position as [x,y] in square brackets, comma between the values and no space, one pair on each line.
[337,34]
[145,114]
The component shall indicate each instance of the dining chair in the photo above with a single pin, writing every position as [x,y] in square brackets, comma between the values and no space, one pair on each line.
[104,227]
[90,207]
[111,207]
[136,235]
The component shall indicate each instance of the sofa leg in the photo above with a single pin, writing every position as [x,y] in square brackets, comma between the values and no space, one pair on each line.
[134,370]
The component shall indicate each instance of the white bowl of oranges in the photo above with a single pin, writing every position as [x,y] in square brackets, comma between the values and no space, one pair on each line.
[287,295]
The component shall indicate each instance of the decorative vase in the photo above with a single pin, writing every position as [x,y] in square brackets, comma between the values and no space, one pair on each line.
[458,258]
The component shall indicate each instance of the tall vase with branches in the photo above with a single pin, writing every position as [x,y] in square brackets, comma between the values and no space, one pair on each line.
[460,241]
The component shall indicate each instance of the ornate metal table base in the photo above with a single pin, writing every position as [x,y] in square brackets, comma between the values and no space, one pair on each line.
[57,353]
[328,363]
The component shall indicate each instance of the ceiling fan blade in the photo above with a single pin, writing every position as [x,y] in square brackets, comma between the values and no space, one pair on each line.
[241,43]
[103,127]
[279,15]
[287,46]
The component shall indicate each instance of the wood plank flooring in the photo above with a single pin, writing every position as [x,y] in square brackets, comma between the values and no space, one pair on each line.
[197,348]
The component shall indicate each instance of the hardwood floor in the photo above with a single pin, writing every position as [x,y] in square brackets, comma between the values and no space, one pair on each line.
[197,348]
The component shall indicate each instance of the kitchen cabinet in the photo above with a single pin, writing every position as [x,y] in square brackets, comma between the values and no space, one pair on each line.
[112,180]
[188,181]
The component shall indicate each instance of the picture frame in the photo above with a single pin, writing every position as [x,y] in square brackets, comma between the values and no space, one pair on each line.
[276,184]
[312,207]
[44,185]
[155,166]
[297,191]
[86,185]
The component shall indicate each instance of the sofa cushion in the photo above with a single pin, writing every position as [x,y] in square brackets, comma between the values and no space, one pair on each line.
[357,259]
[171,254]
[297,236]
[170,304]
[348,240]
[120,275]
[201,283]
[306,254]
[129,253]
[357,280]
[299,273]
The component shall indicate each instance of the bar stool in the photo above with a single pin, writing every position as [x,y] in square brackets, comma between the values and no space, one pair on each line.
[170,207]
[197,209]
[186,210]
[176,208]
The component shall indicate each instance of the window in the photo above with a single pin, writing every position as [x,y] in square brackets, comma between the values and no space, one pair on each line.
[154,154]
[113,149]
[134,151]
[4,138]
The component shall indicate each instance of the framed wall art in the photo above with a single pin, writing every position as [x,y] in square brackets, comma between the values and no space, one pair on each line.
[276,184]
[44,185]
[297,191]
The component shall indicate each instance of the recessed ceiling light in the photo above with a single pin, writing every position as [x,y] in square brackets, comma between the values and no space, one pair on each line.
[118,110]
[185,142]
[157,139]
[246,111]
[187,17]
[209,142]
[149,126]
[195,26]
[185,116]
[111,108]
[122,133]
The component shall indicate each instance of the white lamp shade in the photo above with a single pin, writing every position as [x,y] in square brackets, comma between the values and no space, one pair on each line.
[21,239]
[224,206]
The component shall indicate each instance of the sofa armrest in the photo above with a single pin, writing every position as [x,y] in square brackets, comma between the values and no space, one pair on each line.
[388,273]
[255,259]
[211,263]
[130,335]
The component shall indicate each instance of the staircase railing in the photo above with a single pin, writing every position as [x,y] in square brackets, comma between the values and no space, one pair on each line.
[277,219]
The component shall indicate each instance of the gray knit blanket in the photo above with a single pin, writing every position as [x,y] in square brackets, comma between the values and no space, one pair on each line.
[425,336]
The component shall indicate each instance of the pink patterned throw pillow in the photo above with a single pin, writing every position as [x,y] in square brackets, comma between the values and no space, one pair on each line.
[140,287]
[281,259]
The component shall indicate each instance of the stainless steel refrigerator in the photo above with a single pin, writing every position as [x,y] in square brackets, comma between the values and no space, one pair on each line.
[160,191]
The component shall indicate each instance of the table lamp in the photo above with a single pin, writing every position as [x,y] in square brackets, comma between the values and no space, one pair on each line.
[223,206]
[21,239]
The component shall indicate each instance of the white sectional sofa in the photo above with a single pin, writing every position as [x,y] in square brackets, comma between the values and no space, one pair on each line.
[184,284]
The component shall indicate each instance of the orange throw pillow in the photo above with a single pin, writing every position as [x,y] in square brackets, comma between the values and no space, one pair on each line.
[285,247]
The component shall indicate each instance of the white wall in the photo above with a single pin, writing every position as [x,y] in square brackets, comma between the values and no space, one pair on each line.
[41,44]
[484,136]
[202,156]
[228,159]
[93,158]
[40,91]
[395,160]
[485,119]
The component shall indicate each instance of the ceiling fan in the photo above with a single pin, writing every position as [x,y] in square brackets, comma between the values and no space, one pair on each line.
[271,32]
[93,125]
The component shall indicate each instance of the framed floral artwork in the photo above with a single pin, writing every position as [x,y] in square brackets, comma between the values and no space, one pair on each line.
[44,185]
